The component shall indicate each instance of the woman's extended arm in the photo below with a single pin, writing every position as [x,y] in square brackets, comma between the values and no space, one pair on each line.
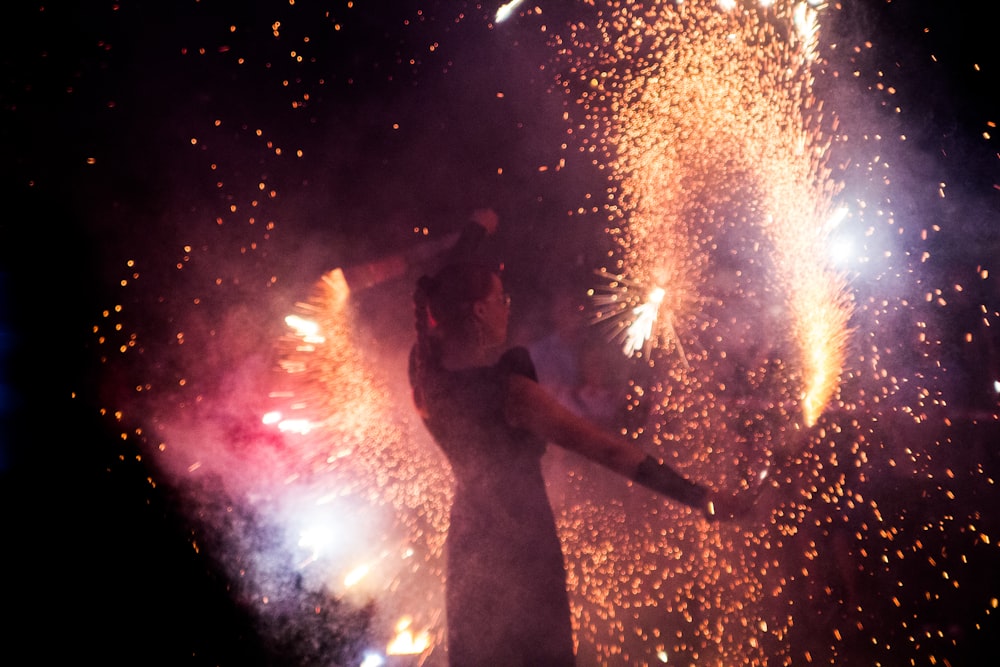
[529,406]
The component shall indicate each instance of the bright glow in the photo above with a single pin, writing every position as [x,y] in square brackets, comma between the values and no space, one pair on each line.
[505,11]
[807,24]
[835,219]
[271,418]
[996,386]
[356,575]
[372,660]
[822,334]
[842,251]
[306,329]
[315,538]
[641,329]
[300,426]
[405,642]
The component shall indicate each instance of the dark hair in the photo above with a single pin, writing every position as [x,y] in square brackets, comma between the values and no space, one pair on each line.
[442,306]
[448,295]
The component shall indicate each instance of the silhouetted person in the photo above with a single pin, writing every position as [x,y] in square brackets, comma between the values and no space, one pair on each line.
[506,595]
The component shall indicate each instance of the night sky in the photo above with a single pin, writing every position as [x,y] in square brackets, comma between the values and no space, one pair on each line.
[154,133]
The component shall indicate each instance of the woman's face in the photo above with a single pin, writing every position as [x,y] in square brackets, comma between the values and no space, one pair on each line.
[492,312]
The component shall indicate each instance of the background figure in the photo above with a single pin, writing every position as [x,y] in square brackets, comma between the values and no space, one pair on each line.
[556,352]
[602,384]
[578,365]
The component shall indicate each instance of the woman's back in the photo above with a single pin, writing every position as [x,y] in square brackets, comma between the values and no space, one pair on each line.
[506,592]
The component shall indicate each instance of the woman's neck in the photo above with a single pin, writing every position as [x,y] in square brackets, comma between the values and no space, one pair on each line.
[458,356]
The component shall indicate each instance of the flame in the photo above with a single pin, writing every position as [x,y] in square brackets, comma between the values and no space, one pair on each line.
[308,330]
[823,337]
[406,642]
[641,329]
[356,575]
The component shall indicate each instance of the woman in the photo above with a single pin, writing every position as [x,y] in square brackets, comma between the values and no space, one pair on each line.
[506,593]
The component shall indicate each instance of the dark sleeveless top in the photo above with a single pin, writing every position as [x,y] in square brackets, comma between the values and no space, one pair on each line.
[506,596]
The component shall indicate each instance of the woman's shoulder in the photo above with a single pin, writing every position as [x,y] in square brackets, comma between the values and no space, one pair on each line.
[518,360]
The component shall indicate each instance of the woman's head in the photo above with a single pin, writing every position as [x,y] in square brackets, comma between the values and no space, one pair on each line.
[463,301]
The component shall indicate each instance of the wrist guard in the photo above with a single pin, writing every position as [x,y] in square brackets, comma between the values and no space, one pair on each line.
[665,480]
